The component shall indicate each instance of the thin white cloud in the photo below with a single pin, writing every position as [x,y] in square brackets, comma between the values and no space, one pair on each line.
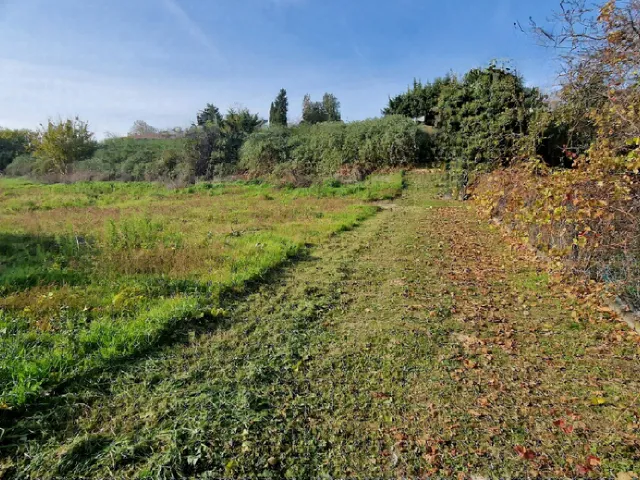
[194,30]
[31,93]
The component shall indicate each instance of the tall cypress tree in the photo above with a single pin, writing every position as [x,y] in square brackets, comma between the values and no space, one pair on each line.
[273,116]
[279,109]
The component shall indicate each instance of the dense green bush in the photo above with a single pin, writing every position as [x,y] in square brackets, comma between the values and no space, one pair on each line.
[21,166]
[484,117]
[327,149]
[265,149]
[420,100]
[480,118]
[135,159]
[13,143]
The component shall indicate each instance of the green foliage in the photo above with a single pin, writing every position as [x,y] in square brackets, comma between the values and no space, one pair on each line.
[62,144]
[210,114]
[313,112]
[135,159]
[567,128]
[279,110]
[319,151]
[236,127]
[215,145]
[328,110]
[264,150]
[331,107]
[202,140]
[13,143]
[480,118]
[483,117]
[82,288]
[21,166]
[419,100]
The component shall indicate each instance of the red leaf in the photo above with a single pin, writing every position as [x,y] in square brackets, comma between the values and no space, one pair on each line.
[583,469]
[568,429]
[559,423]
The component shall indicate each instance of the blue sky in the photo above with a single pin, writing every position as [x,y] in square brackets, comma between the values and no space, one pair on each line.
[116,61]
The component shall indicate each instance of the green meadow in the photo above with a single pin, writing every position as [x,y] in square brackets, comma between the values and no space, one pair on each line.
[95,272]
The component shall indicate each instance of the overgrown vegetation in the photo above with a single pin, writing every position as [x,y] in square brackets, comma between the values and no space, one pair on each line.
[587,214]
[417,346]
[93,272]
[480,118]
[303,154]
[134,159]
[426,345]
[65,151]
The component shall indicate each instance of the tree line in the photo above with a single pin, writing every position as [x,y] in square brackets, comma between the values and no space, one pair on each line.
[484,119]
[210,147]
[468,120]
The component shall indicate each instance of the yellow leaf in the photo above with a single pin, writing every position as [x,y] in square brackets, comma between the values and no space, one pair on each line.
[626,476]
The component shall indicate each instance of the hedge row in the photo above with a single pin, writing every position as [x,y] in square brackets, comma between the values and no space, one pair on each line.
[329,149]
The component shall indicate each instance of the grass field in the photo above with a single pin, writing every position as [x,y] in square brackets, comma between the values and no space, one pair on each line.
[420,344]
[94,272]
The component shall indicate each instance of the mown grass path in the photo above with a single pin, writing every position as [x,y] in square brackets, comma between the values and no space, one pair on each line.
[416,345]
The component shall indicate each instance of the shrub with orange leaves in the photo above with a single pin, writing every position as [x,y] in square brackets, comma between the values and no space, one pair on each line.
[588,215]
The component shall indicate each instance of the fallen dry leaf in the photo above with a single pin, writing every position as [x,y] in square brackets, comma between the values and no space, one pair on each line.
[583,469]
[470,364]
[593,461]
[524,452]
[626,476]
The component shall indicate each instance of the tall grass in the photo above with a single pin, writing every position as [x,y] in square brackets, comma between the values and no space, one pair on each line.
[83,285]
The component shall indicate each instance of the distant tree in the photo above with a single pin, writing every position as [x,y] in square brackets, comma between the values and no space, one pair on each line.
[313,112]
[60,144]
[306,105]
[236,126]
[178,132]
[279,109]
[13,143]
[214,142]
[210,114]
[331,106]
[142,128]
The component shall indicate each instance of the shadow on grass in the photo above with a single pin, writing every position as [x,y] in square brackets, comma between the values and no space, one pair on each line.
[28,260]
[57,409]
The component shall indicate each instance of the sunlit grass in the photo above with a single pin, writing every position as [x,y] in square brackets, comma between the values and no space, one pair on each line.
[90,272]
